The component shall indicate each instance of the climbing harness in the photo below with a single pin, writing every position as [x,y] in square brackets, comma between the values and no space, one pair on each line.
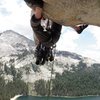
[46,24]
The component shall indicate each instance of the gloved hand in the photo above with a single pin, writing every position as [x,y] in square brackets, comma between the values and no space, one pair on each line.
[43,54]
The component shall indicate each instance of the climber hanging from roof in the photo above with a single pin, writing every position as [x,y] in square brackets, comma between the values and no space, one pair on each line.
[46,34]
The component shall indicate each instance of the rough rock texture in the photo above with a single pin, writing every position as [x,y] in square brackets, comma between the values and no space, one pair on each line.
[72,12]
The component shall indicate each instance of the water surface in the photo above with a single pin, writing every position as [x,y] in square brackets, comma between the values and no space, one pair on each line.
[58,98]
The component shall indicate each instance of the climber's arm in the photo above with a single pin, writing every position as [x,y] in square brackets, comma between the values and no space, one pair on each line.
[36,6]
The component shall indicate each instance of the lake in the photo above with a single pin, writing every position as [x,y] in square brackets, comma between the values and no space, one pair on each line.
[58,98]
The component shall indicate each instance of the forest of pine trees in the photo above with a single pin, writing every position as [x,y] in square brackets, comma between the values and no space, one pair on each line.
[80,81]
[8,88]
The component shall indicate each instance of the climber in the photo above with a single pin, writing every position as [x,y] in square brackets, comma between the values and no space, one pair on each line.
[45,36]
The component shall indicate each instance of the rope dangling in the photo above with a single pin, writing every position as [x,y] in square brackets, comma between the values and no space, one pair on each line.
[51,77]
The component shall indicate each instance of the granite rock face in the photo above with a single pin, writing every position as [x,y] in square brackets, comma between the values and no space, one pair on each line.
[72,12]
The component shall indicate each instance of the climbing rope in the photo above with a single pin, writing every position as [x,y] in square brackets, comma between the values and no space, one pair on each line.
[46,24]
[51,77]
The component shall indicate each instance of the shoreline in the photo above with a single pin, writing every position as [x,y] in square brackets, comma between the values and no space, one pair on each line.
[15,97]
[68,96]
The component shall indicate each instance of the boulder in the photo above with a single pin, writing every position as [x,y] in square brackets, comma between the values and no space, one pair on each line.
[73,12]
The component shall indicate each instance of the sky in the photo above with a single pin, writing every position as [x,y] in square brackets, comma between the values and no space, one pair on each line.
[15,15]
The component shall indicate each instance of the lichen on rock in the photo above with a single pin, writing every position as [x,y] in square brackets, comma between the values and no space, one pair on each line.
[73,12]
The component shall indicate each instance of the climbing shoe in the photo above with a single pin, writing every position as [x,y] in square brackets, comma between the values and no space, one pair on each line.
[43,54]
[81,28]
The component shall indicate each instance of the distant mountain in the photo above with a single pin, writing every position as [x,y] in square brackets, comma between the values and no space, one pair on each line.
[15,46]
[14,42]
[69,54]
[18,51]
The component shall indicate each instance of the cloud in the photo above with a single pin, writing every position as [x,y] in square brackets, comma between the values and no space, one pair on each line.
[93,54]
[95,31]
[67,39]
[91,49]
[4,12]
[86,46]
[15,15]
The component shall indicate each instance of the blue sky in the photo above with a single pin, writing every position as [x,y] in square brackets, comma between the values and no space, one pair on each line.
[15,15]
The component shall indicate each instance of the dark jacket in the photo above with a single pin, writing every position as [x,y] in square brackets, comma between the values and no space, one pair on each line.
[49,37]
